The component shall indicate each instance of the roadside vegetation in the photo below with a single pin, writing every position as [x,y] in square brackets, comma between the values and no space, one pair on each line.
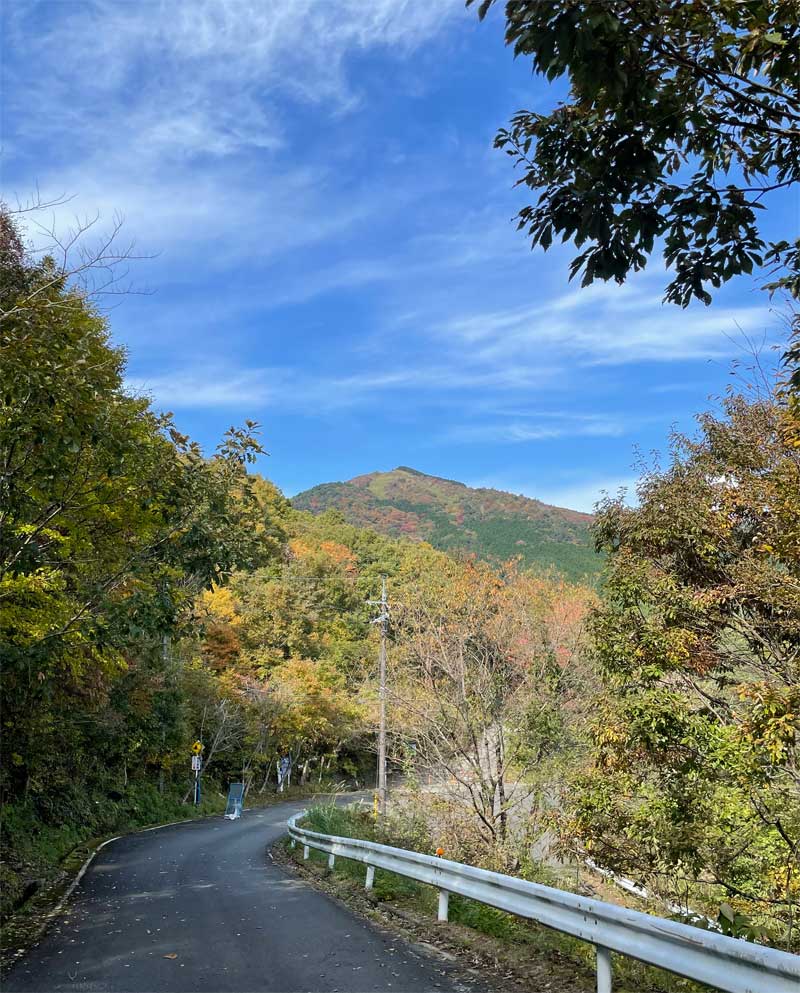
[152,593]
[523,951]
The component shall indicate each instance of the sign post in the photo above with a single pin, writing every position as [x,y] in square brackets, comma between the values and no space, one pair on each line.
[197,765]
[284,772]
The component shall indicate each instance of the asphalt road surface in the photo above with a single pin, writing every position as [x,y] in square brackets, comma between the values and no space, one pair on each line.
[201,907]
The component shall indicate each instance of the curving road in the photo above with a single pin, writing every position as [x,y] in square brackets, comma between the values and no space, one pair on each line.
[201,907]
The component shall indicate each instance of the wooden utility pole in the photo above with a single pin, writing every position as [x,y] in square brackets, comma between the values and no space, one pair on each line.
[383,620]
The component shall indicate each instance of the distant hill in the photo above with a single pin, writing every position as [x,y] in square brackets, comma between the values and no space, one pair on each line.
[452,517]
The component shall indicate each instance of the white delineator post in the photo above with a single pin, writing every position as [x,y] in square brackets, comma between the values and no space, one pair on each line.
[370,877]
[444,903]
[331,860]
[305,851]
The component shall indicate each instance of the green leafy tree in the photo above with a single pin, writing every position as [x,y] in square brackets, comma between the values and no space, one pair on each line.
[792,368]
[111,521]
[681,118]
[695,786]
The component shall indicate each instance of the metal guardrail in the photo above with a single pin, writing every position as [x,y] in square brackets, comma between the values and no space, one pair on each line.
[728,964]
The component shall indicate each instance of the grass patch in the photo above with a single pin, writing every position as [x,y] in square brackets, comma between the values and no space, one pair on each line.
[354,821]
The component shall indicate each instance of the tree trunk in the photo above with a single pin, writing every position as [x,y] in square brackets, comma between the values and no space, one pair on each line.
[266,778]
[501,788]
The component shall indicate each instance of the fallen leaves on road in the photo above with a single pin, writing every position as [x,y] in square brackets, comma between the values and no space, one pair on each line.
[171,955]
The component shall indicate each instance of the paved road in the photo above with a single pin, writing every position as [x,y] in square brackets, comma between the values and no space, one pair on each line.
[201,907]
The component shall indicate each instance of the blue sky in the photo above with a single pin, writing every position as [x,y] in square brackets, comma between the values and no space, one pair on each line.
[333,248]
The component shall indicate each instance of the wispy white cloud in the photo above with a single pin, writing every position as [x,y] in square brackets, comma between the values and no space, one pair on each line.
[176,112]
[209,388]
[219,383]
[332,226]
[213,216]
[418,260]
[191,74]
[542,426]
[586,494]
[605,324]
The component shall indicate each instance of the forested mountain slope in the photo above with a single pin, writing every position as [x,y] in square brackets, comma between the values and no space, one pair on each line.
[452,516]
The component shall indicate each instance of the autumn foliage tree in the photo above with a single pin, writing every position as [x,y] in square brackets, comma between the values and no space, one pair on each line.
[695,787]
[292,643]
[483,670]
[111,522]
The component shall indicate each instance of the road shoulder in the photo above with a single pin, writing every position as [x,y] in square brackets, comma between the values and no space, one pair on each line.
[480,956]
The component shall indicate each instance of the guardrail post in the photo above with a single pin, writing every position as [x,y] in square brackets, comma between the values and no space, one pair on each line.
[294,843]
[331,860]
[444,901]
[370,877]
[603,969]
[305,851]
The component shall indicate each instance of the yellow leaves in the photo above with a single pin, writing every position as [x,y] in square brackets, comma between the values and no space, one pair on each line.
[219,603]
[299,549]
[314,704]
[790,423]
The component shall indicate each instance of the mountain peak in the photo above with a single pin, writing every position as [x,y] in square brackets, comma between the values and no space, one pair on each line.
[454,517]
[426,475]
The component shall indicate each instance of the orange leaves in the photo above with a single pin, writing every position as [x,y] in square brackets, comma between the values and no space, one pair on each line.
[221,646]
[339,555]
[298,548]
[326,555]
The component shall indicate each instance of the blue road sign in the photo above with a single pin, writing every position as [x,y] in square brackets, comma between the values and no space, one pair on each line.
[235,801]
